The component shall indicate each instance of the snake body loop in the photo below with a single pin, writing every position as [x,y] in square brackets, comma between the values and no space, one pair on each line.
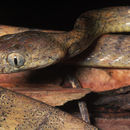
[92,24]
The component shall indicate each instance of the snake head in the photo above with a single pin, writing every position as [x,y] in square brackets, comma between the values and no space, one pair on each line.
[28,50]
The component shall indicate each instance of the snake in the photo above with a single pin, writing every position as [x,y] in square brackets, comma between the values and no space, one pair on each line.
[37,49]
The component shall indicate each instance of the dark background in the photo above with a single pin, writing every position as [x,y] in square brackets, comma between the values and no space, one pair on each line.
[50,14]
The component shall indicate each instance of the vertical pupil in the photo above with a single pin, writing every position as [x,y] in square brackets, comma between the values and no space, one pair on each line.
[15,61]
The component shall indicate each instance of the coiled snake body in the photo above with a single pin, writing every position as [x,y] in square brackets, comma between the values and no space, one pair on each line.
[36,49]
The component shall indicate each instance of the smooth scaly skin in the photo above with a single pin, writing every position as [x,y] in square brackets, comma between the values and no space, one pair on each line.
[41,49]
[111,51]
[18,112]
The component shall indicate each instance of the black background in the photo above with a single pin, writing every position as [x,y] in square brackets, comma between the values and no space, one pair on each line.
[50,14]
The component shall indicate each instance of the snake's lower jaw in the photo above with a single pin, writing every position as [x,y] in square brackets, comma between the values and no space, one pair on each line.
[6,69]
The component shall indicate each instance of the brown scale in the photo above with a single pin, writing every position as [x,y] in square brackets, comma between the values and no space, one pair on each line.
[111,51]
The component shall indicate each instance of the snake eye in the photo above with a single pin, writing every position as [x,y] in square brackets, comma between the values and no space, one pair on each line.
[16,59]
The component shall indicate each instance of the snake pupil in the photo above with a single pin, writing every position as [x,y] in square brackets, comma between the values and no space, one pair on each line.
[15,61]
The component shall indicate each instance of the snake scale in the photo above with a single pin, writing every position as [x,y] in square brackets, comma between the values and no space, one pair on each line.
[35,49]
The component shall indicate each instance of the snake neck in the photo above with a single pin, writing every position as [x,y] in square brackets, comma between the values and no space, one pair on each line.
[74,41]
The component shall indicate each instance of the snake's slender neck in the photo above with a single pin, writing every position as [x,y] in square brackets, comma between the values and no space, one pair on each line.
[74,41]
